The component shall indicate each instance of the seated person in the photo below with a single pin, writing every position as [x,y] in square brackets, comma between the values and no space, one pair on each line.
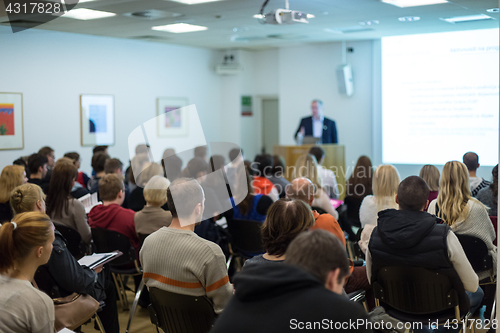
[110,215]
[286,218]
[114,165]
[67,274]
[77,191]
[326,175]
[152,217]
[83,178]
[98,163]
[489,195]
[37,165]
[412,237]
[263,165]
[307,289]
[148,170]
[195,266]
[25,244]
[276,176]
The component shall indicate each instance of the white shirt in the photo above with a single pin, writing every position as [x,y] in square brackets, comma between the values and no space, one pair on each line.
[329,182]
[318,127]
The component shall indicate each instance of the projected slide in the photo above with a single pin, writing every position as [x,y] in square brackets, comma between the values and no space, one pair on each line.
[440,97]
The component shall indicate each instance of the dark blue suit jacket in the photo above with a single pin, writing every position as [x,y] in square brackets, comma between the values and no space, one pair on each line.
[329,129]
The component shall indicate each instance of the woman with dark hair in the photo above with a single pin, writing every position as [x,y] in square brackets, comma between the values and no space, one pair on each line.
[25,244]
[286,219]
[61,206]
[359,184]
[489,195]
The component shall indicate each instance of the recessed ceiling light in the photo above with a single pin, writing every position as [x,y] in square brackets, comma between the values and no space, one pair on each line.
[80,1]
[310,16]
[413,3]
[178,28]
[194,2]
[492,10]
[373,22]
[87,14]
[466,18]
[409,18]
[259,16]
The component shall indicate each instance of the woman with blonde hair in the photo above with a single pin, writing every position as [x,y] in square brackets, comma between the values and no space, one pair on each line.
[11,176]
[430,174]
[152,217]
[25,244]
[385,187]
[464,214]
[307,167]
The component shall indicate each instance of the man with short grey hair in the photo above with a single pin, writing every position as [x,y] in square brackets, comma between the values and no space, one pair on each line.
[195,266]
[317,125]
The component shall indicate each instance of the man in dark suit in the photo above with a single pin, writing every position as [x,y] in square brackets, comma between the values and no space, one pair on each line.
[317,125]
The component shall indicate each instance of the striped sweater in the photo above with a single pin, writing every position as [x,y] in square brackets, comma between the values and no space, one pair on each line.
[179,261]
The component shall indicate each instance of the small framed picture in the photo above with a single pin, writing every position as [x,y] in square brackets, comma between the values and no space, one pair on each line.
[97,114]
[11,121]
[171,120]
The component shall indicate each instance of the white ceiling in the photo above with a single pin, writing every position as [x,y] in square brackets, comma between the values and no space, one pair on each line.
[231,25]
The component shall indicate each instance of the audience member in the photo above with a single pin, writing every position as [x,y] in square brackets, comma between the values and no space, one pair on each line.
[235,158]
[110,215]
[430,174]
[196,266]
[67,274]
[25,244]
[471,160]
[152,217]
[83,178]
[489,195]
[218,185]
[326,175]
[114,165]
[306,289]
[51,158]
[411,237]
[464,214]
[276,176]
[262,167]
[286,218]
[77,191]
[11,177]
[172,166]
[201,152]
[359,184]
[37,165]
[385,186]
[61,206]
[98,163]
[307,167]
[251,207]
[23,161]
[136,199]
[137,164]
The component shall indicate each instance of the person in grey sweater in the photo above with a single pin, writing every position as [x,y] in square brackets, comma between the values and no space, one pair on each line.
[195,266]
[489,195]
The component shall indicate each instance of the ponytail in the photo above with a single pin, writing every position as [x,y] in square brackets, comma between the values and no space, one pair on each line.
[19,237]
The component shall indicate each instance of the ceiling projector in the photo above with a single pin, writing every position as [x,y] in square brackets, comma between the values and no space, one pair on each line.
[284,16]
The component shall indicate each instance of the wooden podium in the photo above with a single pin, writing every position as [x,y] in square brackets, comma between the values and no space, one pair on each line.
[334,160]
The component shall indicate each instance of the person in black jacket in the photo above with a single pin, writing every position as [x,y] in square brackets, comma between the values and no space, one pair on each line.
[303,293]
[63,275]
[318,125]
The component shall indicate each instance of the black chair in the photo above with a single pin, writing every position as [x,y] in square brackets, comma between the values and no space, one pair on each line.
[176,313]
[74,242]
[353,204]
[125,265]
[415,294]
[245,239]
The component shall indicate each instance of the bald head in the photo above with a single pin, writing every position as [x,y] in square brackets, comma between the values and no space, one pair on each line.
[301,189]
[471,160]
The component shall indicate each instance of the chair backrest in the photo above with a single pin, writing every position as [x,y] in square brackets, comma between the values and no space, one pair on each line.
[353,204]
[494,220]
[477,252]
[74,241]
[109,240]
[176,313]
[415,291]
[246,236]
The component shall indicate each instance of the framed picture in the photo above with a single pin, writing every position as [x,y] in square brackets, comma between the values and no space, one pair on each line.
[172,121]
[11,121]
[97,113]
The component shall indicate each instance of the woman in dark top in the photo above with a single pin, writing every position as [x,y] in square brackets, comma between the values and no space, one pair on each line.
[286,219]
[11,177]
[136,199]
[489,195]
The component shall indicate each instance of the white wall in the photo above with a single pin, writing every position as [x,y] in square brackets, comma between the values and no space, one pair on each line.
[52,69]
